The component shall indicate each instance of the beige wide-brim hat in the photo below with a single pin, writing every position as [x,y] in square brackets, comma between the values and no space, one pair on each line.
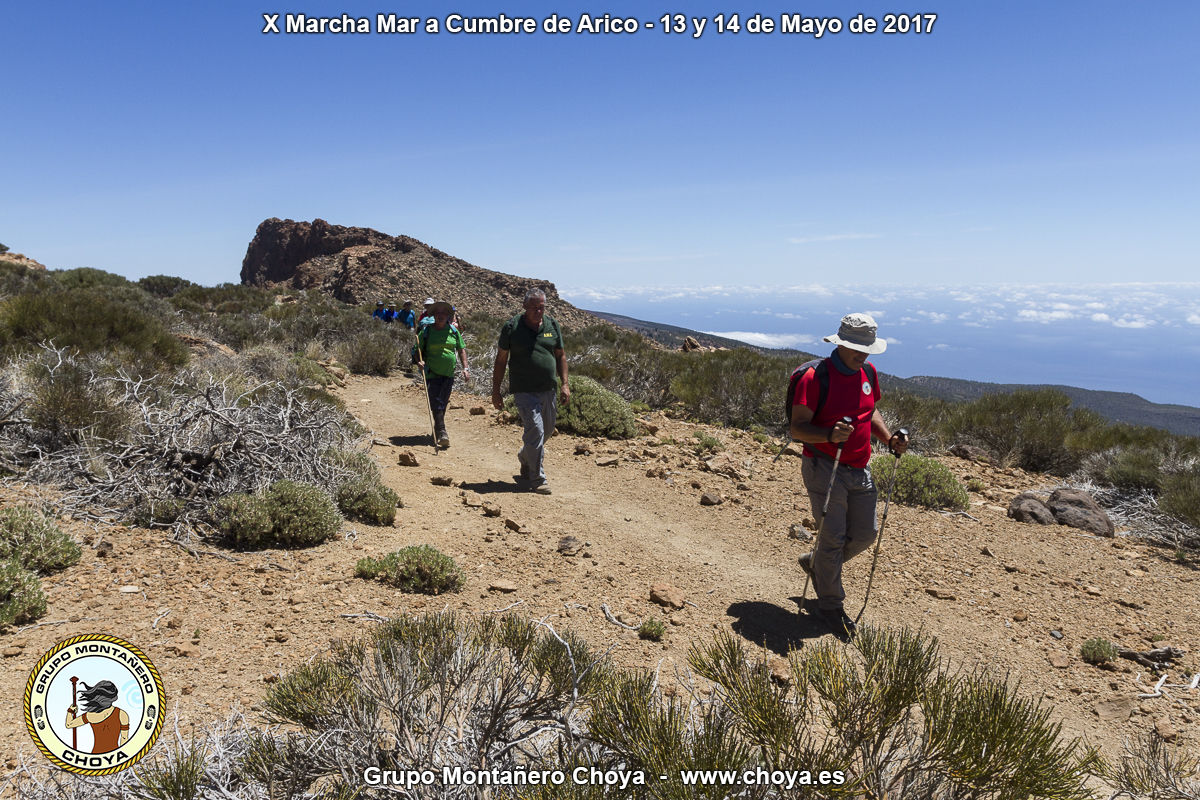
[441,305]
[857,332]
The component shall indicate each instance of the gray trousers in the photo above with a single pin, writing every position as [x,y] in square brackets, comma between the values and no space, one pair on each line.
[538,411]
[847,531]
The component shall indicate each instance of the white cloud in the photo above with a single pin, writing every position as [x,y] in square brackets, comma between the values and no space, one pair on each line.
[938,347]
[1101,318]
[892,341]
[1044,317]
[1193,319]
[774,340]
[835,237]
[1134,321]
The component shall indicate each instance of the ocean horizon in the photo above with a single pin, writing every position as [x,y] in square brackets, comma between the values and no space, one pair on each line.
[1142,338]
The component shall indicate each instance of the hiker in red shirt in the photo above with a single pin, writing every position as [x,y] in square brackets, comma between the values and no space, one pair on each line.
[842,386]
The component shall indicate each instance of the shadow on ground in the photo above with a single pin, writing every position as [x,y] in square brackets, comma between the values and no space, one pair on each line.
[493,487]
[424,439]
[774,628]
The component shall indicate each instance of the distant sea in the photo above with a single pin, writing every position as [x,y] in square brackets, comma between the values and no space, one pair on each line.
[1138,338]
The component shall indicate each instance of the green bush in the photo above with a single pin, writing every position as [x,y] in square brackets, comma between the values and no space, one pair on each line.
[92,320]
[1135,468]
[3,248]
[66,400]
[920,481]
[287,515]
[21,597]
[1181,496]
[234,298]
[418,569]
[158,511]
[32,540]
[652,629]
[924,417]
[243,519]
[87,278]
[1028,428]
[374,353]
[301,514]
[706,443]
[164,286]
[1098,651]
[738,388]
[366,499]
[595,411]
[308,694]
[177,774]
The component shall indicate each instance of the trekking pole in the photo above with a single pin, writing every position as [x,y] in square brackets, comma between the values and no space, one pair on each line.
[824,513]
[901,434]
[787,440]
[75,705]
[428,404]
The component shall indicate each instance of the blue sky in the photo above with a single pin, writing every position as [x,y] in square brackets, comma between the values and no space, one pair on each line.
[1018,142]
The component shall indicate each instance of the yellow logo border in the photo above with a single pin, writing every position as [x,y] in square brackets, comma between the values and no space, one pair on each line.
[158,685]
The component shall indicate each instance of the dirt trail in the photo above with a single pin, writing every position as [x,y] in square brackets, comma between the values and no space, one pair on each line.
[219,630]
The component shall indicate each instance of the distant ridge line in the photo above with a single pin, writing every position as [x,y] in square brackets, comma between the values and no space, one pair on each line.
[1115,406]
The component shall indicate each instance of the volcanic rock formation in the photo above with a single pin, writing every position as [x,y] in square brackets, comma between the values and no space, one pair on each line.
[361,265]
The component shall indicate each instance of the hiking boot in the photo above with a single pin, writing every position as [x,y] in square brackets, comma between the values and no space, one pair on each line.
[839,622]
[443,439]
[542,488]
[805,562]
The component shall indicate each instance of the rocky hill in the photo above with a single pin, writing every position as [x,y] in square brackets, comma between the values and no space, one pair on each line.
[361,265]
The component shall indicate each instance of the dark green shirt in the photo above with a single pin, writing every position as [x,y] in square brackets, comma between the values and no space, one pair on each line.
[532,366]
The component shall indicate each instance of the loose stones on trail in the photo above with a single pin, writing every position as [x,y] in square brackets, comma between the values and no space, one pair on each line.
[710,499]
[407,459]
[442,480]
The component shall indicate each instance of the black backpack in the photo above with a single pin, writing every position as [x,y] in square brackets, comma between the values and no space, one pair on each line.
[821,368]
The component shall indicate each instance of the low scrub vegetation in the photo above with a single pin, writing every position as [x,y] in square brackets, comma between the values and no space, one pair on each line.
[882,716]
[35,542]
[919,481]
[288,514]
[30,545]
[21,596]
[596,411]
[419,569]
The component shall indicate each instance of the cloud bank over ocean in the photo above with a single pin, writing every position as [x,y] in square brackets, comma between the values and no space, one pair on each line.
[1142,338]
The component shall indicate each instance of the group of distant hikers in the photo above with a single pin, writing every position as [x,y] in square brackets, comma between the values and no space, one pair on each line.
[832,410]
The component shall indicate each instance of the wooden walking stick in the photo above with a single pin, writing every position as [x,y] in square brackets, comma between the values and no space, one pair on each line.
[74,705]
[428,405]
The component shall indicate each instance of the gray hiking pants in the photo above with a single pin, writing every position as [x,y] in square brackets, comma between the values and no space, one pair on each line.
[538,411]
[849,529]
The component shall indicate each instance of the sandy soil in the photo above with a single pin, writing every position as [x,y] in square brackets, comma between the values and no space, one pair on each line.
[220,626]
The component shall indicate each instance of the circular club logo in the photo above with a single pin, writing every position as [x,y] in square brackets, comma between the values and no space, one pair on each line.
[866,387]
[94,704]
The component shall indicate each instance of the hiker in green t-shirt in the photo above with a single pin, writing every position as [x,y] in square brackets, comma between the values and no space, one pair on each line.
[438,345]
[531,346]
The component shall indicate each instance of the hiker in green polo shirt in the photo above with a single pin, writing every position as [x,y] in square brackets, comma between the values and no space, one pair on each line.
[531,346]
[439,347]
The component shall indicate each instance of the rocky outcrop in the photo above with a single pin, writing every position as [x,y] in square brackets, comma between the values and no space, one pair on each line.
[1027,507]
[361,265]
[1071,507]
[1077,509]
[21,260]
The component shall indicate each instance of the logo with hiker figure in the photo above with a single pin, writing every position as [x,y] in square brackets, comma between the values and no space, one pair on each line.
[94,704]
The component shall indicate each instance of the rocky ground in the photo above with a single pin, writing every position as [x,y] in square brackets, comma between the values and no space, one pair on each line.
[1015,598]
